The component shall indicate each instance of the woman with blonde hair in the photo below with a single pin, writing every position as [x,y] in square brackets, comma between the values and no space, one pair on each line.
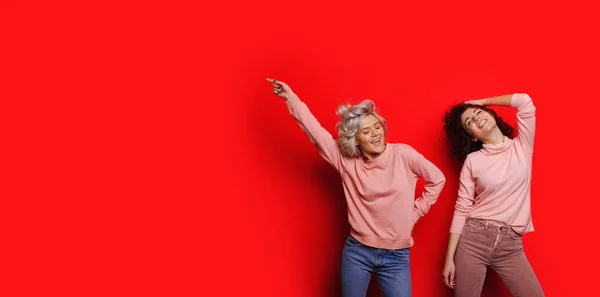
[379,181]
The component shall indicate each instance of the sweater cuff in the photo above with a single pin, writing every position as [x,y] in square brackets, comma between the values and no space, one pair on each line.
[415,216]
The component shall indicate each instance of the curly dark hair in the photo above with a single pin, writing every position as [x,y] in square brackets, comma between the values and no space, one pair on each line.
[461,143]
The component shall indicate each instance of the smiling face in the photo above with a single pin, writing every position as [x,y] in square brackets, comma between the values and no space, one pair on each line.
[478,122]
[371,137]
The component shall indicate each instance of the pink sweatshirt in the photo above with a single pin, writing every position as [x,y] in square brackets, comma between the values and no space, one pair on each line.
[495,181]
[380,193]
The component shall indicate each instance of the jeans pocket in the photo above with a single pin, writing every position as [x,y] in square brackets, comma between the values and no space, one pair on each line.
[351,241]
[473,227]
[514,234]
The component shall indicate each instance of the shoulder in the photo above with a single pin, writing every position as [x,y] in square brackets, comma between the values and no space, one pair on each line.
[399,147]
[473,158]
[403,150]
[475,155]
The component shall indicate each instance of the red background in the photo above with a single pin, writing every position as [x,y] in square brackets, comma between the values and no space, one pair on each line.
[145,154]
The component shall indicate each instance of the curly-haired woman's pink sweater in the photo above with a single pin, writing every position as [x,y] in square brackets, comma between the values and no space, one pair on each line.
[495,181]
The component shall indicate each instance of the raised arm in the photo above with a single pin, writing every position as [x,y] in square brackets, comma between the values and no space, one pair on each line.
[318,135]
[503,100]
[525,115]
[525,120]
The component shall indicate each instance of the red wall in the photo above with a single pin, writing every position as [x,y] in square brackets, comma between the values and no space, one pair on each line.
[149,157]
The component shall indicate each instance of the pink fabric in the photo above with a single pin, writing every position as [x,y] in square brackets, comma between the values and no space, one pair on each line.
[380,193]
[495,181]
[484,245]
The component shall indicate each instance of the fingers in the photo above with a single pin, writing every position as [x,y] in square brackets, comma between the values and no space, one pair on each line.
[283,85]
[279,92]
[276,83]
[280,88]
[474,102]
[448,279]
[277,88]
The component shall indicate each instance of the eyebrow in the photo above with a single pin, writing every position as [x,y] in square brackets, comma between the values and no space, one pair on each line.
[474,110]
[378,122]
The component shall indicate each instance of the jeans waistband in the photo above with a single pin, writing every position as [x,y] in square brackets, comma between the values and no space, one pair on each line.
[488,223]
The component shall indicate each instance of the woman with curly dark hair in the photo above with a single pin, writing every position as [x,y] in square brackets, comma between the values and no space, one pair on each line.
[492,210]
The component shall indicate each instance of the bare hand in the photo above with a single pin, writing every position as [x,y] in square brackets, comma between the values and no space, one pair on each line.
[412,227]
[448,274]
[281,89]
[475,102]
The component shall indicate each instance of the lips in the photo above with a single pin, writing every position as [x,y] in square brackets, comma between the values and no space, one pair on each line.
[482,123]
[376,141]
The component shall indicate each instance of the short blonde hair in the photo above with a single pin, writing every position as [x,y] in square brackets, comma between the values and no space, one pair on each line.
[349,125]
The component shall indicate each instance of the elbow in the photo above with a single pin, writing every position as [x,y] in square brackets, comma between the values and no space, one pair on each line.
[523,102]
[437,183]
[441,181]
[524,98]
[527,106]
[528,99]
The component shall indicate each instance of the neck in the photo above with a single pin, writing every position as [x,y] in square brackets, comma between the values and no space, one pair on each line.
[495,137]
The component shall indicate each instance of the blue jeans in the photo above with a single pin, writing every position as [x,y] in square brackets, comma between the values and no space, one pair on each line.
[391,267]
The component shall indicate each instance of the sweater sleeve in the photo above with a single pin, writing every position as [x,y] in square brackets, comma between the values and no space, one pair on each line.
[525,120]
[318,135]
[434,179]
[466,198]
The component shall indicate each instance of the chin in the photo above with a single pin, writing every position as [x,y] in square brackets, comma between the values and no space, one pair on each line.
[489,128]
[379,150]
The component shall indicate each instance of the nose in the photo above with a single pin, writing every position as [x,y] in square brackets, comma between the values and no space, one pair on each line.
[375,133]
